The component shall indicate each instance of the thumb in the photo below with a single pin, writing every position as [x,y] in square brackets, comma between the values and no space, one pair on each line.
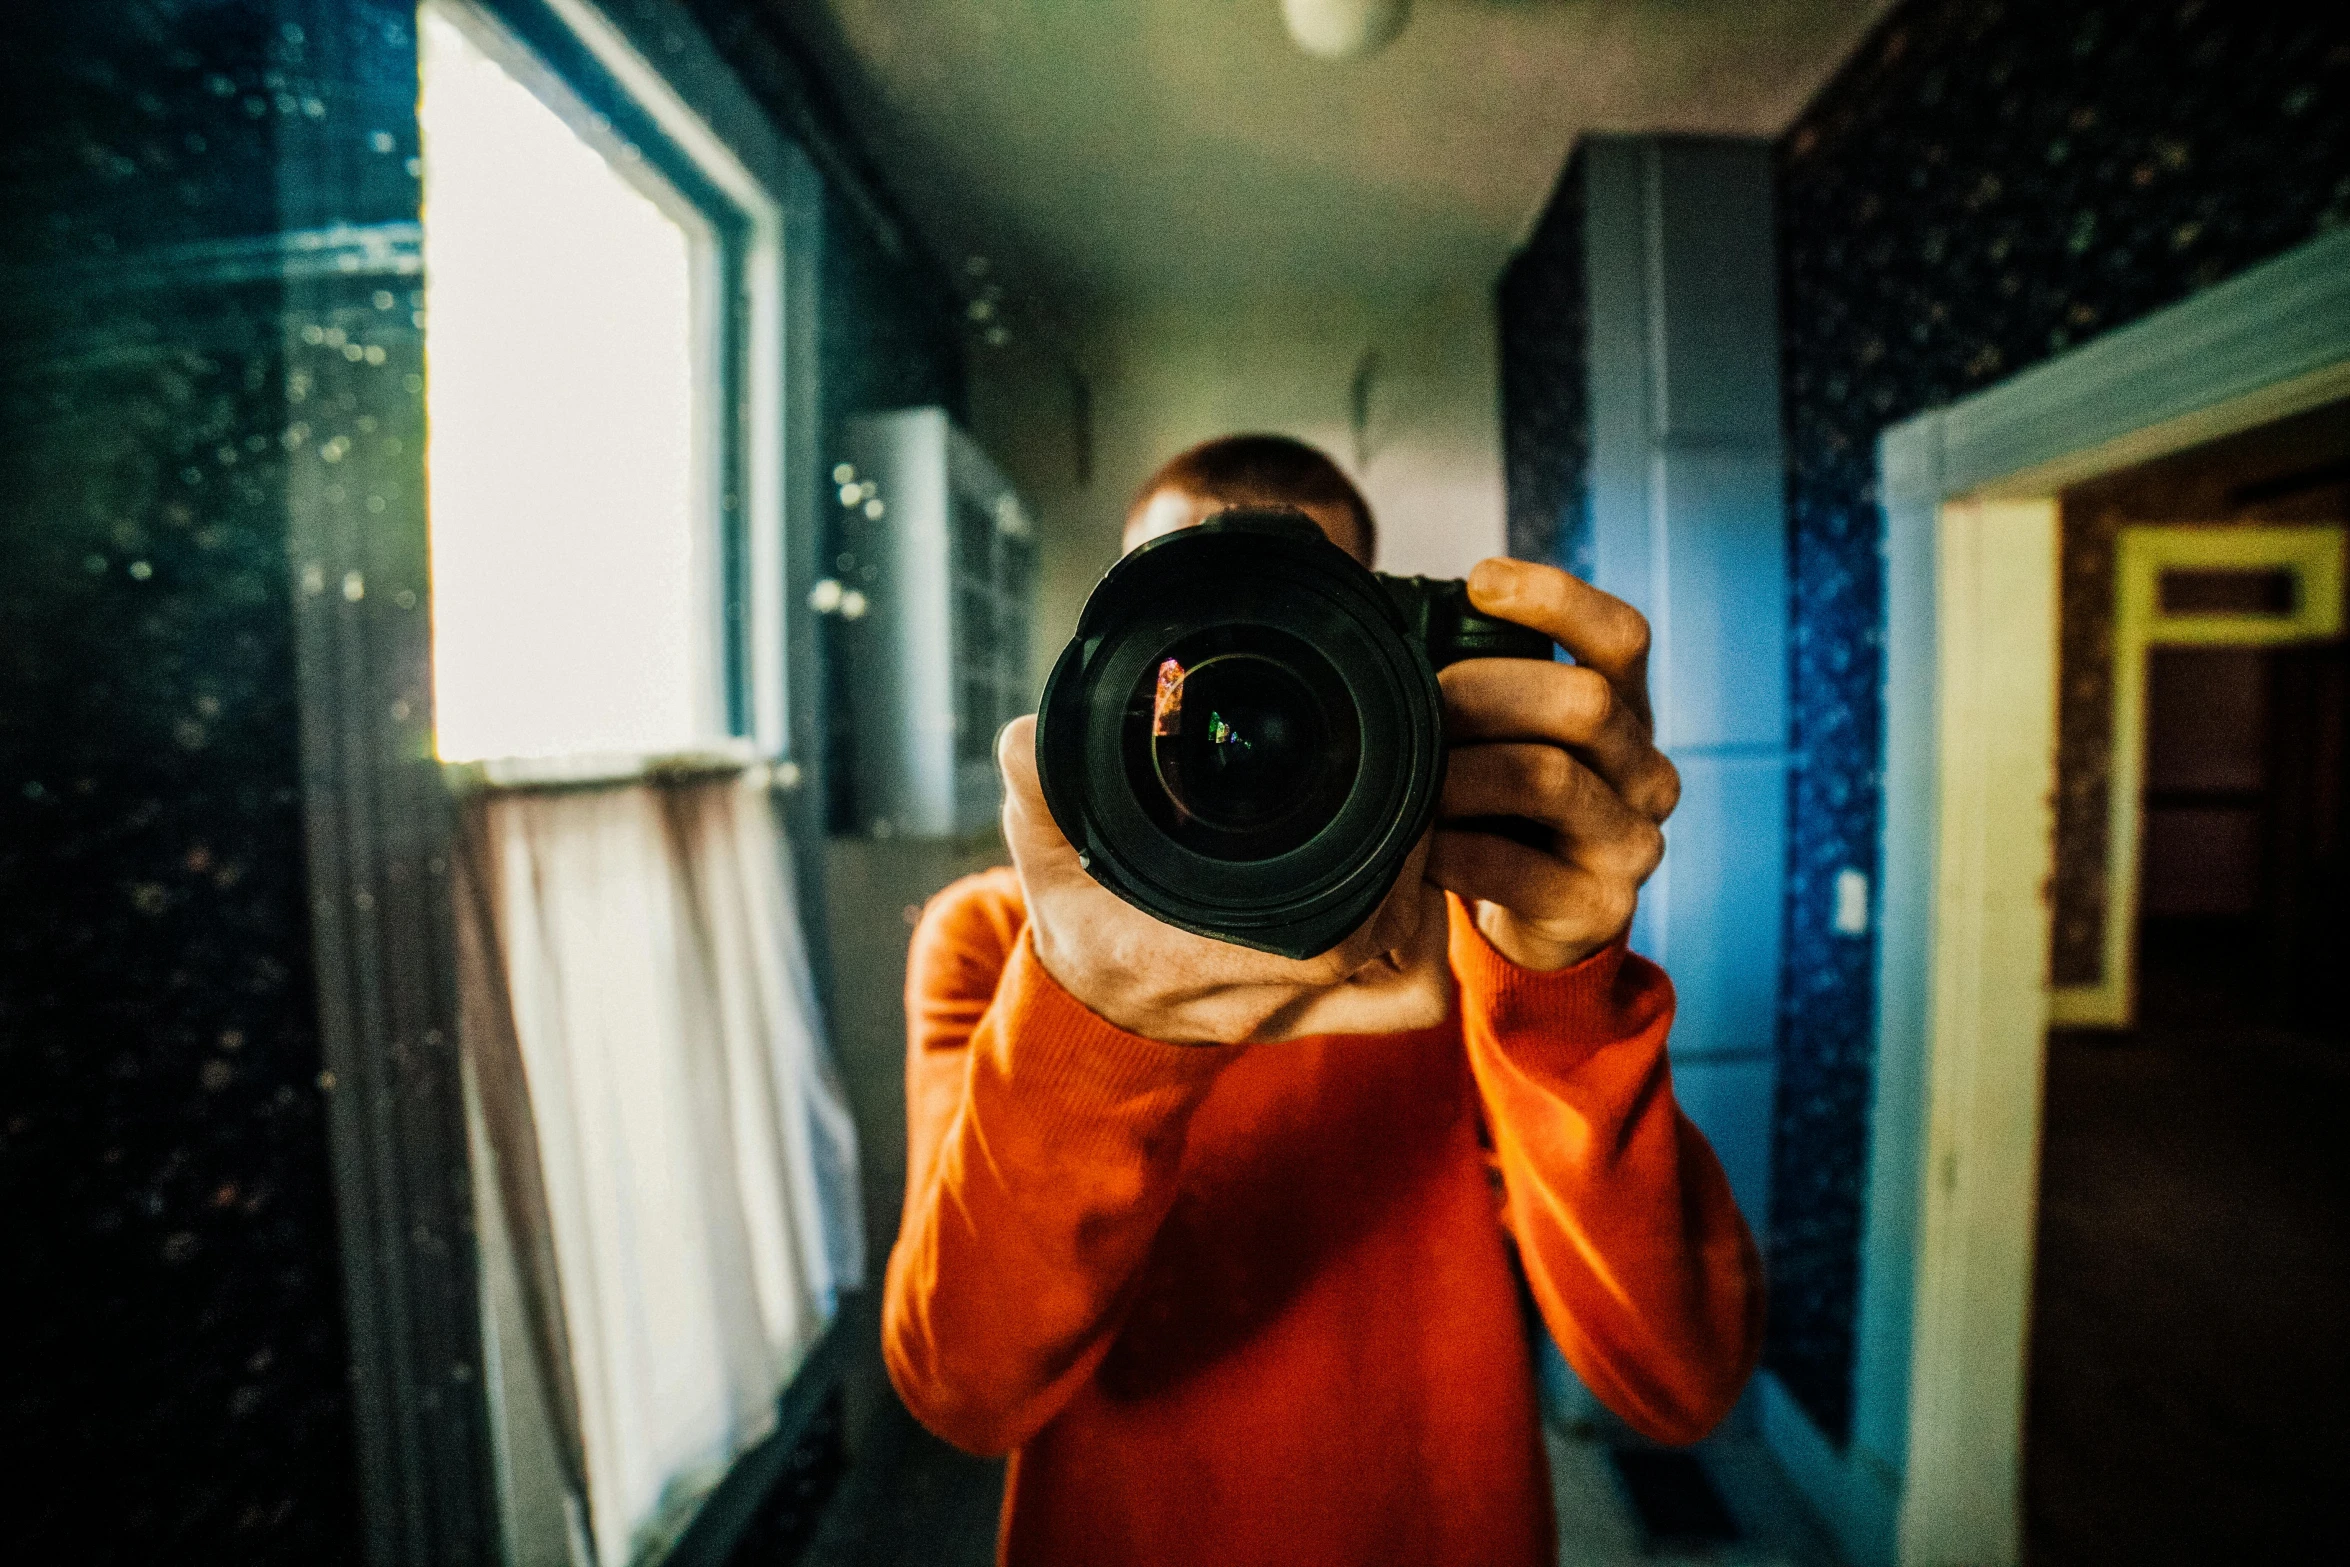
[1035,839]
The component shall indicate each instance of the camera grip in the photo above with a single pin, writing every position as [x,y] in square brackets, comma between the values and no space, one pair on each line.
[1443,622]
[1489,636]
[1451,630]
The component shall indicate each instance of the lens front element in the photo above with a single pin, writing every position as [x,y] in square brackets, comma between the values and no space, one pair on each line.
[1241,742]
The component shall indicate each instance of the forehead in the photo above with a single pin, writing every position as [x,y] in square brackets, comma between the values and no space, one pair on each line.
[1170,508]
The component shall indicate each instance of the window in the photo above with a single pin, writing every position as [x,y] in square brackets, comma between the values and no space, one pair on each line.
[602,508]
[664,1167]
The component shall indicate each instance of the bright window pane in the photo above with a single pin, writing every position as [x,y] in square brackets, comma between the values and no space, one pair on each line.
[570,552]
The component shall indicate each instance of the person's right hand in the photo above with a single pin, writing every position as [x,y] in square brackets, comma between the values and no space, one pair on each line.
[1149,978]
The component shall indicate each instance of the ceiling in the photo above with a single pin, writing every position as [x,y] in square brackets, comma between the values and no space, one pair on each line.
[1115,153]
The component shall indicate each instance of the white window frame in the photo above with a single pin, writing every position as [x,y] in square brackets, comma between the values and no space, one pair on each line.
[739,354]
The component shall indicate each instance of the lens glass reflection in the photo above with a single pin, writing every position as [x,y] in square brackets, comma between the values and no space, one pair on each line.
[1242,742]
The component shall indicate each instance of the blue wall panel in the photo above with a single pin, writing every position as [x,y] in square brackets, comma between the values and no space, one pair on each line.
[1665,329]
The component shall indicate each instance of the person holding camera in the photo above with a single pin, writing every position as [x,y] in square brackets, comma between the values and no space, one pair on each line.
[1224,1246]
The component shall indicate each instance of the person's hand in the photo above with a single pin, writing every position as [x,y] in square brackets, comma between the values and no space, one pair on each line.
[1149,978]
[1568,747]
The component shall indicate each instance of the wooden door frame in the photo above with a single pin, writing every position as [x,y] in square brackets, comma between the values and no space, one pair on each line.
[1962,1005]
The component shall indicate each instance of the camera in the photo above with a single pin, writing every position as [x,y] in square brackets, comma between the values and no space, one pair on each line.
[1245,739]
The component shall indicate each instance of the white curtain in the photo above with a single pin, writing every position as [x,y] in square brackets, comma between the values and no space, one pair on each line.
[676,1162]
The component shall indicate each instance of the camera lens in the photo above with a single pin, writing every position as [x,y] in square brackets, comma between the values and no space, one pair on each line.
[1241,742]
[1245,737]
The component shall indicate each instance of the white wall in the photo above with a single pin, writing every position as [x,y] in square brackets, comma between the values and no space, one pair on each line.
[1429,456]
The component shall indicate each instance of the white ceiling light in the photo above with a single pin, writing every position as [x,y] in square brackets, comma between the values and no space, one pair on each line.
[1344,29]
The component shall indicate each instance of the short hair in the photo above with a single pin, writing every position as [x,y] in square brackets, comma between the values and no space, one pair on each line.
[1264,469]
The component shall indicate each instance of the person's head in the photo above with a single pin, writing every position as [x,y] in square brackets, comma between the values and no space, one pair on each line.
[1253,470]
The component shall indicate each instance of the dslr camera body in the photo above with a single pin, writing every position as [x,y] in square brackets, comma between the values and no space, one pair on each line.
[1245,739]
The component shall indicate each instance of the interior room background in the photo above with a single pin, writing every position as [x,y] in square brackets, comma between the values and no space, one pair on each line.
[1979,186]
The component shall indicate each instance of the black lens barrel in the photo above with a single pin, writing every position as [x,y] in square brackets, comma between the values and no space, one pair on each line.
[1245,737]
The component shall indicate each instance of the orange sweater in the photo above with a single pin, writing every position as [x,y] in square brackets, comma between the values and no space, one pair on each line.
[1242,1304]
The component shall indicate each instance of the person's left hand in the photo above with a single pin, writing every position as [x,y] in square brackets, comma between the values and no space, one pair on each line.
[1568,747]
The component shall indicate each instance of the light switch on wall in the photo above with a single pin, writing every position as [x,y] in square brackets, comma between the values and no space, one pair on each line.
[1852,903]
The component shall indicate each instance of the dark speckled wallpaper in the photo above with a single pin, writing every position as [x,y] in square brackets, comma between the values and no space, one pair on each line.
[180,1392]
[1544,312]
[889,333]
[176,1387]
[1983,185]
[889,338]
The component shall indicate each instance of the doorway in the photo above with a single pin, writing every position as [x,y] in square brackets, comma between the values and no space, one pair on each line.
[1973,498]
[2189,1385]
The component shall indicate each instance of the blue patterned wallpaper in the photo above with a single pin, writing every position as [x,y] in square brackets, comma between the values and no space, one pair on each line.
[1981,186]
[177,1388]
[1545,322]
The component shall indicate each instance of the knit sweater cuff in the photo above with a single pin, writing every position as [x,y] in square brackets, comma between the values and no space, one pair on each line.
[1609,995]
[1094,1073]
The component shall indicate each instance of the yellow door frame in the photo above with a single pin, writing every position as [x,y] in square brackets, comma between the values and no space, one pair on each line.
[2313,557]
